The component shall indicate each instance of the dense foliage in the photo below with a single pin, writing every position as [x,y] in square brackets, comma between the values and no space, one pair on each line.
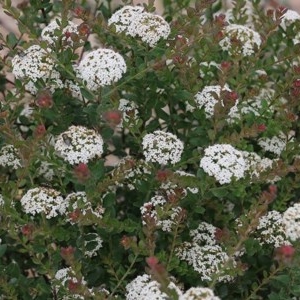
[147,155]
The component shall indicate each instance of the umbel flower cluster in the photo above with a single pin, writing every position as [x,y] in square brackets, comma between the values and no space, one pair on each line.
[150,154]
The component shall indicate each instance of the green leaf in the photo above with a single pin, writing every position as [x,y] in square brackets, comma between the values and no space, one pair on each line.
[11,40]
[219,192]
[3,248]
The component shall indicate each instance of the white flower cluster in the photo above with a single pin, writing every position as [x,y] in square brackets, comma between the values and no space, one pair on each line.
[43,200]
[276,144]
[92,243]
[49,33]
[199,293]
[291,222]
[9,157]
[255,165]
[33,64]
[270,230]
[143,288]
[46,170]
[101,67]
[66,275]
[135,22]
[205,255]
[224,162]
[255,104]
[289,17]
[210,96]
[170,187]
[131,172]
[1,200]
[124,17]
[129,111]
[163,214]
[240,40]
[79,145]
[78,202]
[162,147]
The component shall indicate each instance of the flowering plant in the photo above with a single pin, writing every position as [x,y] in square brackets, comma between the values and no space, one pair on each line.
[147,155]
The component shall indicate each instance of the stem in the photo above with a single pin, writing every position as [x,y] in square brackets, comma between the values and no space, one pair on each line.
[124,276]
[172,246]
[264,282]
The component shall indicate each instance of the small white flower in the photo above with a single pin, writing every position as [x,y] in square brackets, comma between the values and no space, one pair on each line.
[79,145]
[199,293]
[291,222]
[35,63]
[130,112]
[9,157]
[143,288]
[289,17]
[149,27]
[101,67]
[78,201]
[255,104]
[1,201]
[123,17]
[270,230]
[46,170]
[205,255]
[43,200]
[276,144]
[49,33]
[162,147]
[162,213]
[210,96]
[255,165]
[224,162]
[246,40]
[63,277]
[131,171]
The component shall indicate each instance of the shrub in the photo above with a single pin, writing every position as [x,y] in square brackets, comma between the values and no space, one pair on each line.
[160,161]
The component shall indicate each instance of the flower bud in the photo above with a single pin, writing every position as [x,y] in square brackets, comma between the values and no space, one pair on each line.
[40,131]
[113,117]
[81,172]
[44,99]
[285,254]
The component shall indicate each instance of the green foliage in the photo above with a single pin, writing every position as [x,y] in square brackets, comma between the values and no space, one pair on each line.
[144,213]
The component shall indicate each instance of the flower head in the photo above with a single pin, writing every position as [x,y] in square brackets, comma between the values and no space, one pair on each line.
[240,40]
[199,293]
[78,205]
[291,222]
[79,145]
[50,33]
[160,213]
[210,96]
[143,288]
[150,28]
[271,231]
[133,21]
[101,67]
[224,162]
[276,144]
[205,255]
[9,157]
[124,17]
[35,63]
[162,147]
[43,200]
